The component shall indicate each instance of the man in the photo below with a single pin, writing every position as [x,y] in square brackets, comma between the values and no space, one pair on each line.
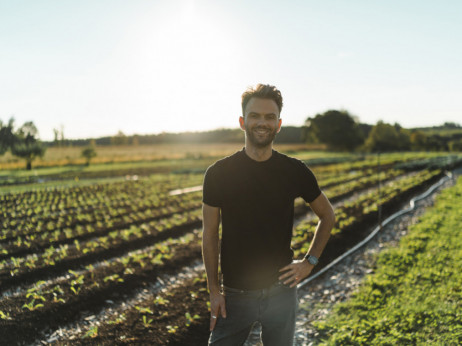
[252,193]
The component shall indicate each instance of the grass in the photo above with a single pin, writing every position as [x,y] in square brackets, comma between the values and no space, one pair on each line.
[64,160]
[415,295]
[66,156]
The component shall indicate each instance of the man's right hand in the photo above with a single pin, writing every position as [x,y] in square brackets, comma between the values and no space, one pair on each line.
[217,306]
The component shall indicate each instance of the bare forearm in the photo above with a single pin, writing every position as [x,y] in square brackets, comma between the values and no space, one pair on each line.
[210,256]
[295,272]
[321,235]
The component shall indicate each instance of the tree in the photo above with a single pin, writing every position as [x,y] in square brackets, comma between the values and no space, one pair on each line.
[119,139]
[451,125]
[418,140]
[337,129]
[88,153]
[27,145]
[386,137]
[7,136]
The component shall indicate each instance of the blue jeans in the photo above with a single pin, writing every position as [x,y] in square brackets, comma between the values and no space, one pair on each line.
[274,307]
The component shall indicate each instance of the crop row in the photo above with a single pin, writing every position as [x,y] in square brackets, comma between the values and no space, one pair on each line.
[414,295]
[33,232]
[56,260]
[362,208]
[12,267]
[90,288]
[374,162]
[15,269]
[45,203]
[57,226]
[36,236]
[156,317]
[437,162]
[118,274]
[177,316]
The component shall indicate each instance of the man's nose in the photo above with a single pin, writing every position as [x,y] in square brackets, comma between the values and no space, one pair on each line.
[262,121]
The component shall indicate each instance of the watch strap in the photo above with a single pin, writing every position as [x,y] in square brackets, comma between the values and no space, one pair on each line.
[312,259]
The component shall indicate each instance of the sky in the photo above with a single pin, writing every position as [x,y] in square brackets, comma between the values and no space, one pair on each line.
[97,67]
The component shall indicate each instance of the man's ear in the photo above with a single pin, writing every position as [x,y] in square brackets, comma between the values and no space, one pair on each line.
[242,122]
[279,125]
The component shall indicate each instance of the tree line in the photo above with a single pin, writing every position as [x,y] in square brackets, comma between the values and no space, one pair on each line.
[337,130]
[340,131]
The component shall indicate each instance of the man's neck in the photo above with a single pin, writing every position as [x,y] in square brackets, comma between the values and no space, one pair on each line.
[259,154]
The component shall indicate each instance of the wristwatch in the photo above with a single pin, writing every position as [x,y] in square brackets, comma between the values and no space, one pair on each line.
[312,259]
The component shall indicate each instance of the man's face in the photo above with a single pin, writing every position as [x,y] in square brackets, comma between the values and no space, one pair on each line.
[261,122]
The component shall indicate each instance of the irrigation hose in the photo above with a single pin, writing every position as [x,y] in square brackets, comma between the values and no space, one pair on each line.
[376,230]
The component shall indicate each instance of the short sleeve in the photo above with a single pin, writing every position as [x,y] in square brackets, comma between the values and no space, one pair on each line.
[309,185]
[210,191]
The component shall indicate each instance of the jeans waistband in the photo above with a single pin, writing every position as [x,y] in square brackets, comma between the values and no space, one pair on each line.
[238,290]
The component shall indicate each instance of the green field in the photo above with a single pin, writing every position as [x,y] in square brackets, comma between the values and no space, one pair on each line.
[75,237]
[415,295]
[64,167]
[72,156]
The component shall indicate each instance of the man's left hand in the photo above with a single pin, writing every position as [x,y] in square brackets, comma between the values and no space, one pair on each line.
[295,272]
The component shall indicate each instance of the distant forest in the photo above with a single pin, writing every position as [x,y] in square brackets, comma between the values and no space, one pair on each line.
[288,134]
[335,130]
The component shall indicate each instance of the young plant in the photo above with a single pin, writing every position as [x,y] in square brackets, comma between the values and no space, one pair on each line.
[190,319]
[172,329]
[114,277]
[4,316]
[146,322]
[31,306]
[118,320]
[161,301]
[92,333]
[144,310]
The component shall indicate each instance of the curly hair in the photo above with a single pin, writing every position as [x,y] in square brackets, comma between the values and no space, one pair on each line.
[263,91]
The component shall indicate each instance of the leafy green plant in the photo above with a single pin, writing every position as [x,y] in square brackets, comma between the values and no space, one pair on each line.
[172,329]
[160,301]
[413,296]
[32,306]
[143,310]
[5,316]
[190,319]
[114,277]
[91,333]
[76,284]
[146,322]
[118,320]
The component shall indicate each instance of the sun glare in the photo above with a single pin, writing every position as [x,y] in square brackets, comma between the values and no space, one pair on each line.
[186,53]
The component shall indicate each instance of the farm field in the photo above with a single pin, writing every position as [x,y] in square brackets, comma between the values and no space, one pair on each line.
[110,253]
[71,156]
[67,166]
[414,295]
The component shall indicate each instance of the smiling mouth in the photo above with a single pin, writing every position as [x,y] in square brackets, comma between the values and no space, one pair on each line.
[261,131]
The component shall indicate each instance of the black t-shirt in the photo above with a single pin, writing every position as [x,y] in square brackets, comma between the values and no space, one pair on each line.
[257,207]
